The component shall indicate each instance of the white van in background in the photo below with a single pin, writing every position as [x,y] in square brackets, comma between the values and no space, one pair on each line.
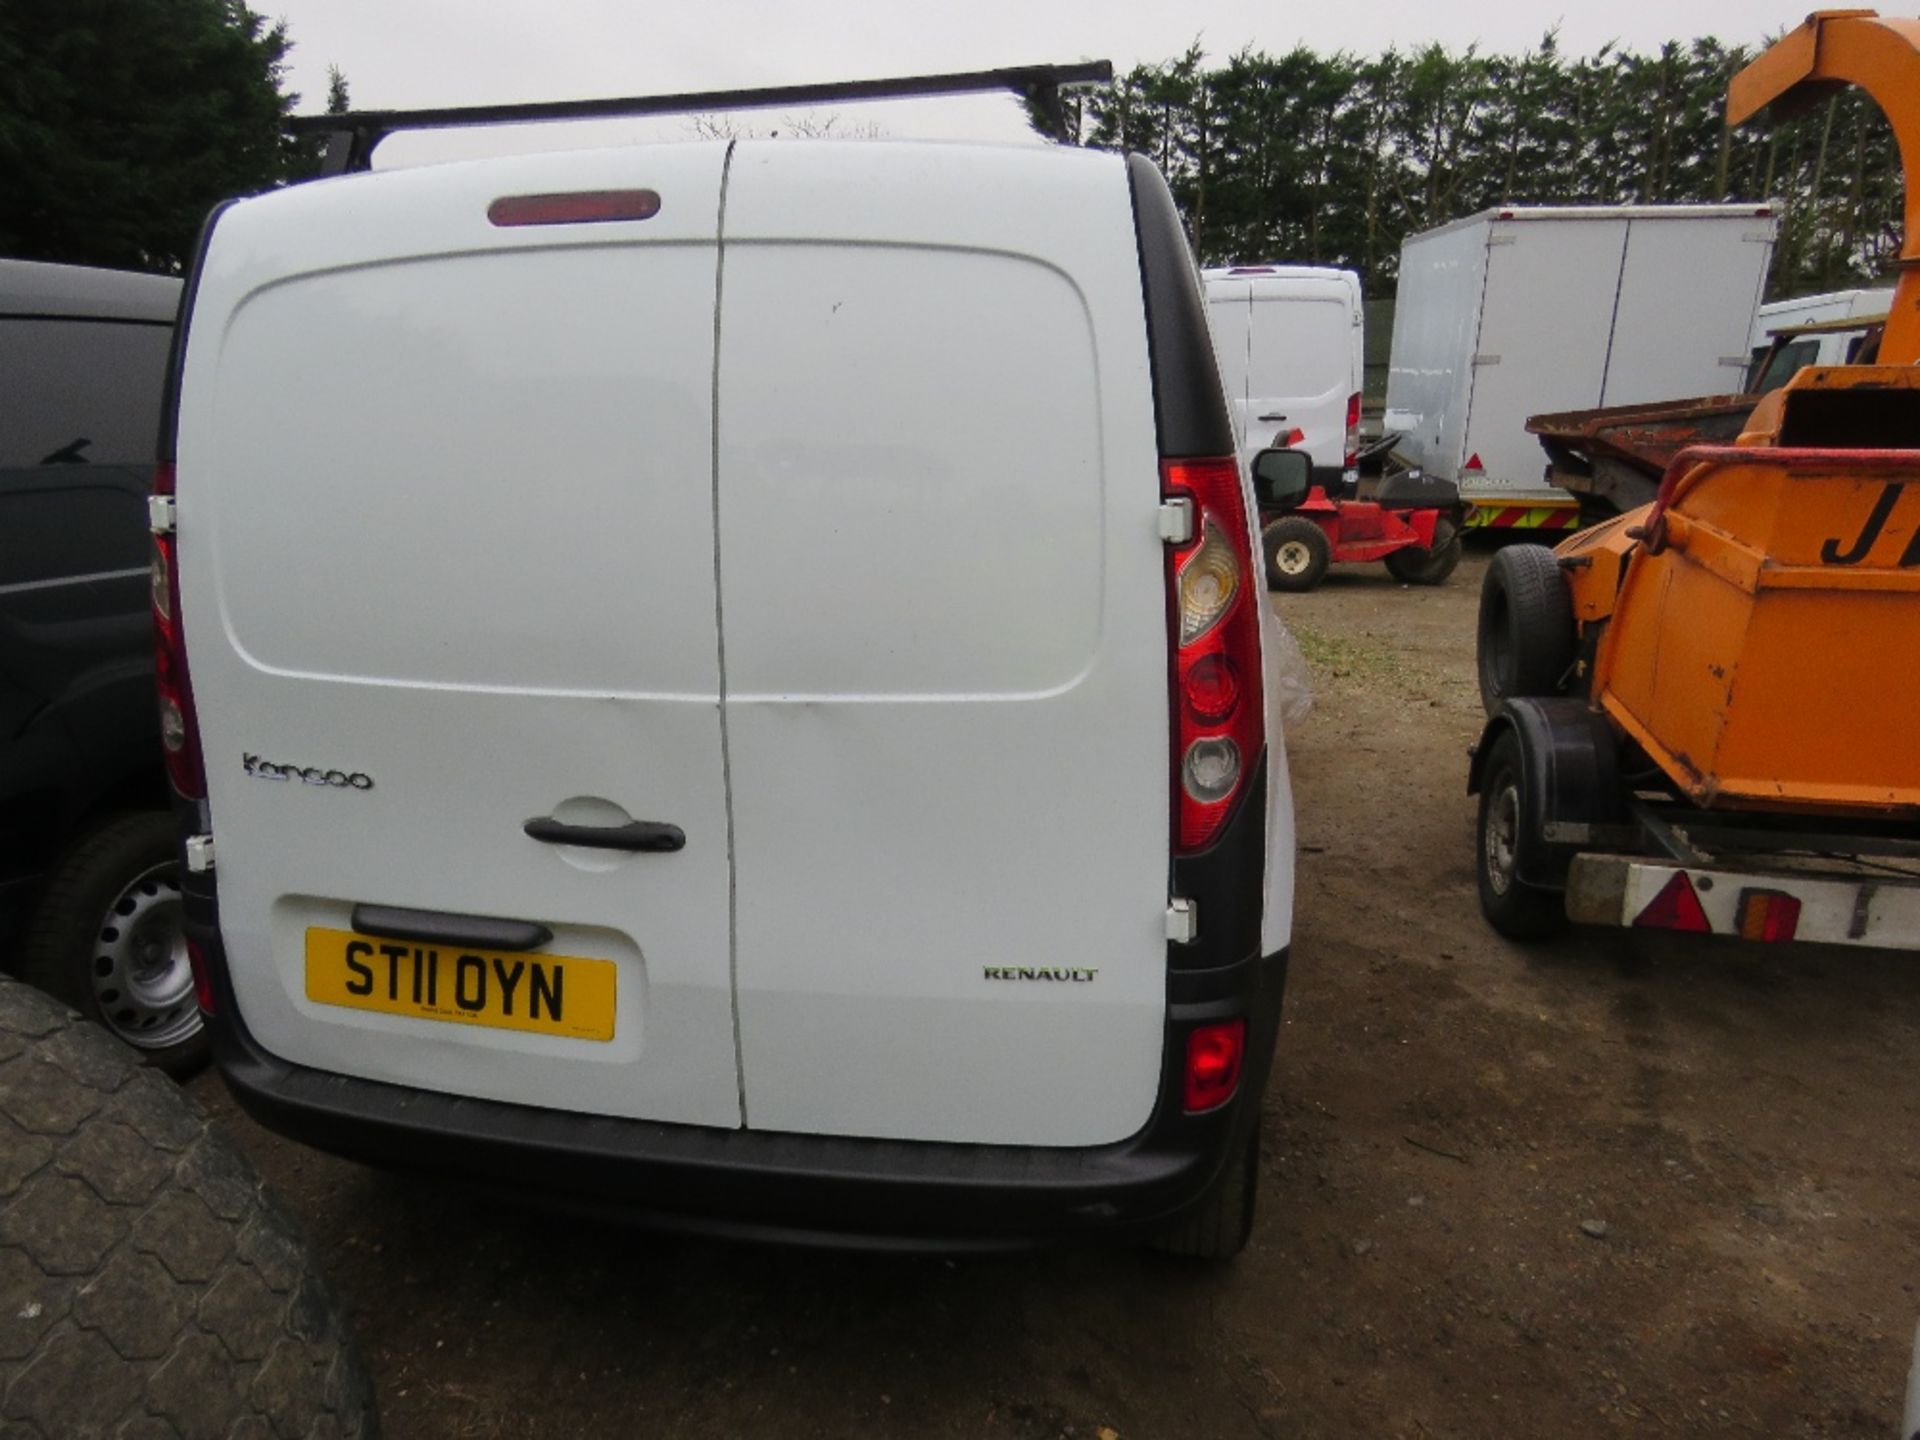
[1288,340]
[1827,329]
[639,746]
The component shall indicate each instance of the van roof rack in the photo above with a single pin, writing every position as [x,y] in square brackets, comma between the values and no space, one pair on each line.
[352,137]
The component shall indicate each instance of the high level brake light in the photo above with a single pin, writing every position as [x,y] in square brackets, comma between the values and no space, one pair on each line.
[1218,722]
[179,729]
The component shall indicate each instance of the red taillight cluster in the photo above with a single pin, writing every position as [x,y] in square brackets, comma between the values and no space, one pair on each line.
[1219,728]
[179,732]
[1353,431]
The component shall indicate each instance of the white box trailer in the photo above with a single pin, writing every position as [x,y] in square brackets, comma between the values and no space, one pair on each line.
[1518,311]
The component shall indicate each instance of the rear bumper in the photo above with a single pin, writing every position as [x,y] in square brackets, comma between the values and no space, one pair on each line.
[1880,912]
[879,1194]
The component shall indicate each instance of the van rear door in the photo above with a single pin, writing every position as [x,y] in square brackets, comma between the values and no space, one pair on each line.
[1229,313]
[446,543]
[1302,365]
[945,645]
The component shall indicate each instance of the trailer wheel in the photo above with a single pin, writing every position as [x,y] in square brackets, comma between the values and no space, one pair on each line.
[150,1285]
[1221,1221]
[1505,834]
[1415,566]
[1527,639]
[1297,553]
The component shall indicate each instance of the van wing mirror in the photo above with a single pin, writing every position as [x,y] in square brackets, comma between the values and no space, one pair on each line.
[1281,478]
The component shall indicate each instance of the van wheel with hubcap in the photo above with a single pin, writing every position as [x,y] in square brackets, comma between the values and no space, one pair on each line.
[107,939]
[1517,910]
[1221,1221]
[1297,553]
[1527,639]
[1415,566]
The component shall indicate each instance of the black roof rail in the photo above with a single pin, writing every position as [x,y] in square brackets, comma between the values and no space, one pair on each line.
[352,137]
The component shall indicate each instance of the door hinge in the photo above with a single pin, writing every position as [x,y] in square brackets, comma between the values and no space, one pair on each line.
[1493,240]
[1739,362]
[199,854]
[1183,921]
[1486,360]
[1176,520]
[160,514]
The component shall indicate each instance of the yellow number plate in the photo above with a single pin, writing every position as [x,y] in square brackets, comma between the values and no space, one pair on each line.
[505,989]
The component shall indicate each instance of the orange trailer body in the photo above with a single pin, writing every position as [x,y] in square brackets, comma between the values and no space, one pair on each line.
[1761,619]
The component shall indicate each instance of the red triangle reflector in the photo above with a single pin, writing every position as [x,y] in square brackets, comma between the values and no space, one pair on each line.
[1473,462]
[1676,907]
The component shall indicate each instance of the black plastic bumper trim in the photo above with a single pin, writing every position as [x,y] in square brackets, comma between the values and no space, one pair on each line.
[859,1193]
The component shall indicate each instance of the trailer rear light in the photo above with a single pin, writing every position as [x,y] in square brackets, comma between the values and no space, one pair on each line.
[1676,907]
[1769,915]
[1353,431]
[179,730]
[1214,1057]
[1213,627]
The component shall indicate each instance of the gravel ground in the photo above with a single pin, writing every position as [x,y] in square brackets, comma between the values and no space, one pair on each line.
[1620,1185]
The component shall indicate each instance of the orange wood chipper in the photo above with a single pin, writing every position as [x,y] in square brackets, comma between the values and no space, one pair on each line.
[1704,715]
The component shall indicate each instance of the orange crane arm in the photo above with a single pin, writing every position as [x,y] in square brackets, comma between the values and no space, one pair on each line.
[1854,47]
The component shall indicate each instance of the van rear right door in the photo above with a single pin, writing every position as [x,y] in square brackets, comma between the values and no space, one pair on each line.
[944,616]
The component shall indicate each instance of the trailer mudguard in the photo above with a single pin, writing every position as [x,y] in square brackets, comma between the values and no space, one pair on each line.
[1569,763]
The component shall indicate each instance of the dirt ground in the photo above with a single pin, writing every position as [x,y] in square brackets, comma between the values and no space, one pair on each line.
[1446,1111]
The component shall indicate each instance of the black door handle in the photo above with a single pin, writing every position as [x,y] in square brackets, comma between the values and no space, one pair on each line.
[1273,417]
[634,835]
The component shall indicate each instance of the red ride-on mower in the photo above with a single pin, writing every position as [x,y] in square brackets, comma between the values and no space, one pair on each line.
[1410,521]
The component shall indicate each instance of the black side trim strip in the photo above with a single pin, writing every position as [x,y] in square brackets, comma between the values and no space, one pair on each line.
[1189,405]
[65,318]
[391,922]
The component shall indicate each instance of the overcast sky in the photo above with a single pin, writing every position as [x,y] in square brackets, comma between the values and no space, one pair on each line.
[401,54]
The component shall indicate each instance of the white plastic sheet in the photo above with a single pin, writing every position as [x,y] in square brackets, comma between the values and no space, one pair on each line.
[1289,684]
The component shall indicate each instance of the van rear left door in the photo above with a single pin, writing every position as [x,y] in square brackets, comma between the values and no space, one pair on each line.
[446,542]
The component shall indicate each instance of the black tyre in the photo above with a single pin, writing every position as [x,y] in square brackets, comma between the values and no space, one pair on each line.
[1506,840]
[150,1286]
[1527,639]
[1428,567]
[107,940]
[1297,553]
[1221,1221]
